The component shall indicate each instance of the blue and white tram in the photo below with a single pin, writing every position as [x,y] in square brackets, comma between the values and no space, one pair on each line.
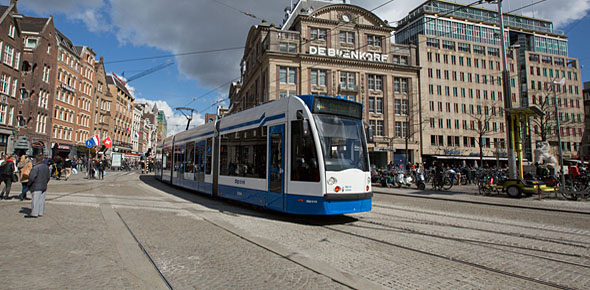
[302,155]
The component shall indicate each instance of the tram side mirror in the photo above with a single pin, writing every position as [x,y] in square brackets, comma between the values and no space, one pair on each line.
[305,130]
[370,135]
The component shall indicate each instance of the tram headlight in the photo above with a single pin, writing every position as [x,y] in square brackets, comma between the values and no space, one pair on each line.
[332,181]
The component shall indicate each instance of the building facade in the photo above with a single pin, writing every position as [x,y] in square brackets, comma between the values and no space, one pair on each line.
[461,78]
[586,138]
[85,99]
[122,114]
[162,131]
[65,104]
[337,50]
[103,121]
[37,89]
[136,128]
[11,47]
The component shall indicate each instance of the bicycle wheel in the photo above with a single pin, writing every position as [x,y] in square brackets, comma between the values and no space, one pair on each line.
[568,194]
[447,184]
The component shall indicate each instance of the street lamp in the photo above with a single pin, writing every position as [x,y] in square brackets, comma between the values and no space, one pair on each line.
[560,83]
[507,95]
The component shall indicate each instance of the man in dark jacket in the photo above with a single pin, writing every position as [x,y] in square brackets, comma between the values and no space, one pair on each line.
[6,175]
[38,179]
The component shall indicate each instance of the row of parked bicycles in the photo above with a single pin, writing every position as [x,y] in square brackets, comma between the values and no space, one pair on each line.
[419,178]
[489,182]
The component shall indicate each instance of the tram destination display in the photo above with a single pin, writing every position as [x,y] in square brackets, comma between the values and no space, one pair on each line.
[338,107]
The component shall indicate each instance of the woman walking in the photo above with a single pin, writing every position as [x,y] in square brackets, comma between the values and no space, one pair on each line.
[24,167]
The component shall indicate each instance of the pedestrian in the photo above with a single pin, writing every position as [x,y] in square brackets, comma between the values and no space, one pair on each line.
[24,167]
[101,168]
[6,175]
[38,180]
[59,165]
[68,167]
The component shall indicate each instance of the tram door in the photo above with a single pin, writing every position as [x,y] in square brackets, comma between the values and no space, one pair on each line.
[200,164]
[276,166]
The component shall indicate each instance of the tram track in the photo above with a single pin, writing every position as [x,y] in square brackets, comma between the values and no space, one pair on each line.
[475,219]
[451,259]
[566,242]
[516,206]
[486,243]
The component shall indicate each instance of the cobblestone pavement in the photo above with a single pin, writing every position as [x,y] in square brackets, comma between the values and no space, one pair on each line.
[198,242]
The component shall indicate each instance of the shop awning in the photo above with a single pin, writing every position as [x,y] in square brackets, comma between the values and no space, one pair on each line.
[472,157]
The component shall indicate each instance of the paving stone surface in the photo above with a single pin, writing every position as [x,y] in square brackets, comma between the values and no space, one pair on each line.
[198,242]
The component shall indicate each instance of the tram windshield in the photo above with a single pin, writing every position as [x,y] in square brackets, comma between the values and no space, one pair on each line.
[343,142]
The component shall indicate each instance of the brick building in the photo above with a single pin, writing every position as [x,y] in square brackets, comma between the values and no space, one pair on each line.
[38,84]
[103,99]
[11,47]
[122,109]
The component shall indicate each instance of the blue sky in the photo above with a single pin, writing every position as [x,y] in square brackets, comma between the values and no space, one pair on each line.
[128,29]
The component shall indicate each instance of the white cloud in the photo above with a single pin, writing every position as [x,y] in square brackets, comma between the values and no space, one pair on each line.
[89,12]
[188,26]
[176,121]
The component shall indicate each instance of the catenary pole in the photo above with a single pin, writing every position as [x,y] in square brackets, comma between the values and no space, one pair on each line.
[507,95]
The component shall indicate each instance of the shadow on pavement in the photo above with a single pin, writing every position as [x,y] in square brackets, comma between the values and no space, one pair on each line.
[235,208]
[25,210]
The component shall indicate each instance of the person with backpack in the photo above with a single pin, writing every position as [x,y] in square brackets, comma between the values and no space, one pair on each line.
[101,168]
[24,165]
[6,175]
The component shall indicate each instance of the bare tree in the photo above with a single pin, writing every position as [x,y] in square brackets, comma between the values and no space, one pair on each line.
[482,129]
[545,126]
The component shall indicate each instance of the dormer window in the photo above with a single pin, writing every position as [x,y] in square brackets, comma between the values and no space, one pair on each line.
[31,43]
[11,31]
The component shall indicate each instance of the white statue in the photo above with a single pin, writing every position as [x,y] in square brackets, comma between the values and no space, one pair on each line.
[542,155]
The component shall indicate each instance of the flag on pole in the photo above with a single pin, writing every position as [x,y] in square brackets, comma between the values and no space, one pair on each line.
[92,142]
[137,135]
[96,140]
[107,142]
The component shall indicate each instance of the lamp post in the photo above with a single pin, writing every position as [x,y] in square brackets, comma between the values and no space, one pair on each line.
[560,83]
[507,95]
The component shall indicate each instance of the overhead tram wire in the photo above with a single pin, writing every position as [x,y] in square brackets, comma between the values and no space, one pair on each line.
[236,9]
[175,54]
[429,20]
[386,37]
[211,91]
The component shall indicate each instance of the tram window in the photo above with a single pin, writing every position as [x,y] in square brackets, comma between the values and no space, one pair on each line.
[304,161]
[166,160]
[243,156]
[179,158]
[190,154]
[208,151]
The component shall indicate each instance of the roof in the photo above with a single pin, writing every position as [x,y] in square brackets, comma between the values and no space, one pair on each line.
[3,9]
[65,42]
[78,49]
[302,7]
[111,80]
[33,24]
